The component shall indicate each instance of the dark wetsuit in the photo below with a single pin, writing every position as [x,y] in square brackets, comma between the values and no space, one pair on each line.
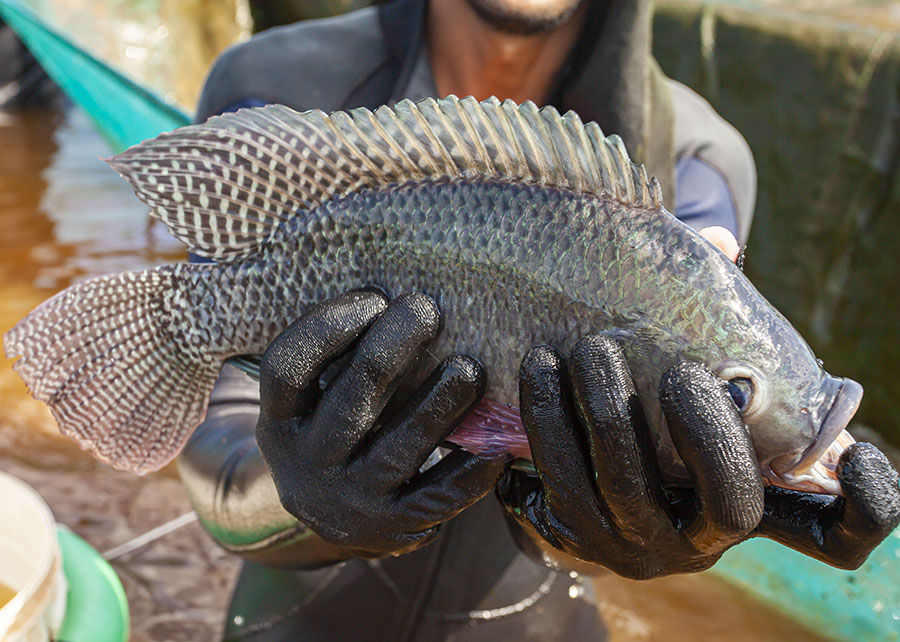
[474,582]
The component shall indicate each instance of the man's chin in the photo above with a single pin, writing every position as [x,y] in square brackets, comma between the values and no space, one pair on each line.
[526,17]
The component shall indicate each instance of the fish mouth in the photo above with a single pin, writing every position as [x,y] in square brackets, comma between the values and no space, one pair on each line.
[816,469]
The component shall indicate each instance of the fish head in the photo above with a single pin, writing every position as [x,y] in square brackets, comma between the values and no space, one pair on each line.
[795,411]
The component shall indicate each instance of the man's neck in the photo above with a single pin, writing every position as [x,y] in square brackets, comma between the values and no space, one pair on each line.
[469,57]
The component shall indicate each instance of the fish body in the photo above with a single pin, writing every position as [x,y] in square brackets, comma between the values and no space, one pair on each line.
[526,227]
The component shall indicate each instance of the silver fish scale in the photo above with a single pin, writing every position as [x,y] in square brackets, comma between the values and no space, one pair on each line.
[526,226]
[511,265]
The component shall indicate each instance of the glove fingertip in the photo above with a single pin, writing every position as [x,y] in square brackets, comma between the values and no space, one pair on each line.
[419,313]
[543,382]
[374,291]
[594,345]
[600,373]
[870,483]
[541,360]
[466,373]
[689,377]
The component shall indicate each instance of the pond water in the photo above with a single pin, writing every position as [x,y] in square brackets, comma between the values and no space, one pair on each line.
[66,216]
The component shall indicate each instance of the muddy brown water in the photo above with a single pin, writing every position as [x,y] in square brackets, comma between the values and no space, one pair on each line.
[65,216]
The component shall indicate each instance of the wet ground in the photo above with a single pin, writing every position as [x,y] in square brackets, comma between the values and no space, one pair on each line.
[65,216]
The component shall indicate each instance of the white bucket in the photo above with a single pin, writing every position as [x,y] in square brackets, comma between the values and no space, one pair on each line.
[30,564]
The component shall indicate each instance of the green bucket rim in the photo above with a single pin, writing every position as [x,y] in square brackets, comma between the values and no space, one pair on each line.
[96,606]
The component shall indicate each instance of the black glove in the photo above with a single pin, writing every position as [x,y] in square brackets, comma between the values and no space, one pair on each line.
[840,531]
[341,465]
[600,497]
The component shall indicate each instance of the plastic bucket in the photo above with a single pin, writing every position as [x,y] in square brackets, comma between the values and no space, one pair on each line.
[30,564]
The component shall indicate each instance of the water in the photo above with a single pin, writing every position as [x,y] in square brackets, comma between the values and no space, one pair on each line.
[66,216]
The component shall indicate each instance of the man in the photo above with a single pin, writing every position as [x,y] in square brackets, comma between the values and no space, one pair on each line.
[329,479]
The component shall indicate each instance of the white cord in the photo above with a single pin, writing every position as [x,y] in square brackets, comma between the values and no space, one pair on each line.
[150,536]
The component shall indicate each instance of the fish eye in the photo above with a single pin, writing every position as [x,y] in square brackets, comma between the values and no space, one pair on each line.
[747,387]
[741,391]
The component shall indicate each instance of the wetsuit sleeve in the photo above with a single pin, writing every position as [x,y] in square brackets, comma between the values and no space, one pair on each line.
[232,491]
[702,196]
[715,176]
[228,85]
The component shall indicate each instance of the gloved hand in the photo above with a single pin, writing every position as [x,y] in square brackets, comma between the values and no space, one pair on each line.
[840,531]
[600,498]
[341,465]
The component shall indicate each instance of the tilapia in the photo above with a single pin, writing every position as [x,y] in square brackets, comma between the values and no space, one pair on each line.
[527,227]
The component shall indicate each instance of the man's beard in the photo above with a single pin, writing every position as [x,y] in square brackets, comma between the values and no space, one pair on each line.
[503,17]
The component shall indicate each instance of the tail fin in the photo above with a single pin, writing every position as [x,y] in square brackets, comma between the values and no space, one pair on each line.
[104,356]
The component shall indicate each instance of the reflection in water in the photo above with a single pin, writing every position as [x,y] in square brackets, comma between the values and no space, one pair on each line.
[94,212]
[27,143]
[66,216]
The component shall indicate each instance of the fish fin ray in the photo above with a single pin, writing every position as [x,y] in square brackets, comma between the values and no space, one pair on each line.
[225,186]
[110,369]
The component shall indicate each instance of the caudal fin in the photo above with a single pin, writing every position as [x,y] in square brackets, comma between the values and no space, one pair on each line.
[105,357]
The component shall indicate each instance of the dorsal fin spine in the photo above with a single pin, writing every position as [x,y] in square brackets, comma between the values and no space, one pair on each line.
[402,158]
[339,119]
[532,156]
[393,133]
[480,148]
[419,119]
[575,178]
[576,129]
[519,165]
[604,160]
[656,193]
[224,186]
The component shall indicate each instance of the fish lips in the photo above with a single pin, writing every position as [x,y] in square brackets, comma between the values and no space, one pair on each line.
[846,395]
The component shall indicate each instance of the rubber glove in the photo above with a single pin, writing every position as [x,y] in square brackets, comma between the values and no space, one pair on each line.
[342,466]
[600,498]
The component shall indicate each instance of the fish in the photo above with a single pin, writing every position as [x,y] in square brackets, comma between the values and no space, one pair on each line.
[527,227]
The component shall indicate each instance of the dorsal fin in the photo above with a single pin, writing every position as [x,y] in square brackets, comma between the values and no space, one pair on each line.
[223,187]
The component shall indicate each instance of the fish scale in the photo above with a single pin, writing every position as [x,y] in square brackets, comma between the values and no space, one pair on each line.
[498,302]
[526,226]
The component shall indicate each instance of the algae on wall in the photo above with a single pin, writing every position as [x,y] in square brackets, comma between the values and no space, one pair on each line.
[817,100]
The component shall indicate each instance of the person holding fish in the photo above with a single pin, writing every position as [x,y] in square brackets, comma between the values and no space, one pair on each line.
[669,411]
[598,499]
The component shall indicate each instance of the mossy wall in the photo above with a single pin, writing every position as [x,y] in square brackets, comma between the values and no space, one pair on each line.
[817,99]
